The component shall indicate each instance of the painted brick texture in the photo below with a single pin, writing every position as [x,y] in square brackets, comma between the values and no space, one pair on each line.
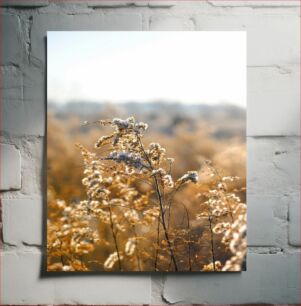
[273,136]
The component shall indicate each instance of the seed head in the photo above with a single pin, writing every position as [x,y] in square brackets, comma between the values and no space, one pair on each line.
[189,176]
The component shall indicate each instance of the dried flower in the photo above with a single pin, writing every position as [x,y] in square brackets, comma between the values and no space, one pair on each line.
[103,140]
[132,206]
[189,176]
[130,159]
[130,246]
[123,124]
[168,181]
[217,266]
[111,260]
[67,268]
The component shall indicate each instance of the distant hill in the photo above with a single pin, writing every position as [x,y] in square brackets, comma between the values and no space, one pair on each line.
[203,110]
[228,120]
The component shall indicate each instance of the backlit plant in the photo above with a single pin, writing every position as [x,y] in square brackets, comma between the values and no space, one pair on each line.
[133,218]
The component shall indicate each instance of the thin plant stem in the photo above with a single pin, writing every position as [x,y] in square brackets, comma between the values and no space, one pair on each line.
[161,206]
[115,239]
[189,236]
[170,203]
[158,240]
[164,224]
[226,200]
[133,229]
[211,231]
[137,249]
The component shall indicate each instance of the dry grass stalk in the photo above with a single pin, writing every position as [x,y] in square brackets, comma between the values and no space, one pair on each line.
[130,211]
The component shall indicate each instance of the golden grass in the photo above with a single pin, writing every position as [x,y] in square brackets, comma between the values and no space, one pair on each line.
[145,206]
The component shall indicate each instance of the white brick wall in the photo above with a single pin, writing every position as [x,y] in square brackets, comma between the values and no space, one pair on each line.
[269,279]
[23,284]
[20,214]
[273,150]
[13,47]
[24,3]
[10,171]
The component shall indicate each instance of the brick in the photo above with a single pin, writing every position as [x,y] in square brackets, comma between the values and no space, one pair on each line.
[168,23]
[160,3]
[22,284]
[294,220]
[33,166]
[23,92]
[141,3]
[11,83]
[90,22]
[34,99]
[273,165]
[112,3]
[108,3]
[262,222]
[22,221]
[24,3]
[268,279]
[118,3]
[250,3]
[267,214]
[268,35]
[156,286]
[12,45]
[273,92]
[121,22]
[10,168]
[12,96]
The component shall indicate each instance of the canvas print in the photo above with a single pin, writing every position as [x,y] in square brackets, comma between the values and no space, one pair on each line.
[146,151]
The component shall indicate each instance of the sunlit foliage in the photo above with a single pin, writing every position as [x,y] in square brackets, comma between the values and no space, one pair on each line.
[138,207]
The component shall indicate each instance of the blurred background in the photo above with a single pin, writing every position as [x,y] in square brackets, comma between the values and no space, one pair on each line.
[189,87]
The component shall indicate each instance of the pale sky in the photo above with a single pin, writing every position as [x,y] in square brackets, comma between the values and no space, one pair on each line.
[187,67]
